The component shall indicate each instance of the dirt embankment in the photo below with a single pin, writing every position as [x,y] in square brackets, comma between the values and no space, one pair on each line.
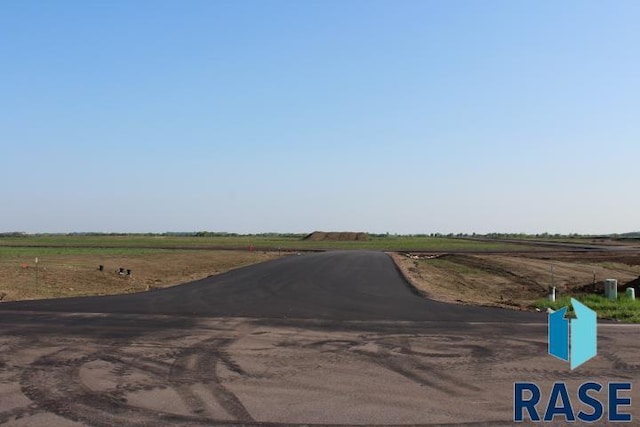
[514,281]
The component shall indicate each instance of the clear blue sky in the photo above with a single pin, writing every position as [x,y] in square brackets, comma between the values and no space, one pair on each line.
[294,116]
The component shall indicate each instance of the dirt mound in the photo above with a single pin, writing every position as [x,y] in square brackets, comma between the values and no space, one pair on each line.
[321,236]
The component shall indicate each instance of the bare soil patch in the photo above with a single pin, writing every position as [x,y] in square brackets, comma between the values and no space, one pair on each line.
[514,281]
[59,276]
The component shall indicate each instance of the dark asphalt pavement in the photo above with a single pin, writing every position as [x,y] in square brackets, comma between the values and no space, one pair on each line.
[345,285]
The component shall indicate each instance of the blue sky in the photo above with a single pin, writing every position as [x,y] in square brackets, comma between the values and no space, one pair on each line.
[294,116]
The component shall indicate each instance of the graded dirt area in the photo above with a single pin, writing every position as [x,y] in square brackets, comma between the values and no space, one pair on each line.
[66,275]
[513,280]
[102,370]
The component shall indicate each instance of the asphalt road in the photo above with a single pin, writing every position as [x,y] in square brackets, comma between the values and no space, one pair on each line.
[345,285]
[335,338]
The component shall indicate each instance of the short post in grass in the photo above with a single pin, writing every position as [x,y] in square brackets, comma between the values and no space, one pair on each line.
[36,272]
[631,294]
[552,295]
[611,289]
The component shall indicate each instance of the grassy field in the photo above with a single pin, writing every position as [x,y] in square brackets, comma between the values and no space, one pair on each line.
[387,243]
[624,309]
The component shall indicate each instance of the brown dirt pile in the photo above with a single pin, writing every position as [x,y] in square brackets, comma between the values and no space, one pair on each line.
[321,236]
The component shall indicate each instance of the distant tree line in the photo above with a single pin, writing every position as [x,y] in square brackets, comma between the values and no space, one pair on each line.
[633,235]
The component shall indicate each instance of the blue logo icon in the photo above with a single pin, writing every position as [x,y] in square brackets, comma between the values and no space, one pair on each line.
[577,344]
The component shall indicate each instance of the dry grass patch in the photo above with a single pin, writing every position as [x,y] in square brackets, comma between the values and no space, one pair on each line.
[77,274]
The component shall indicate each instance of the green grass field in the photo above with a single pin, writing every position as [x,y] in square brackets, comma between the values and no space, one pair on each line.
[624,309]
[291,242]
[42,251]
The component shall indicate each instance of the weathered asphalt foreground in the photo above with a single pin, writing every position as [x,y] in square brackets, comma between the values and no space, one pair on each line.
[333,338]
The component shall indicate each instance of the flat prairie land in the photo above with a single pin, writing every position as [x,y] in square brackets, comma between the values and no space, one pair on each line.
[457,270]
[264,242]
[68,264]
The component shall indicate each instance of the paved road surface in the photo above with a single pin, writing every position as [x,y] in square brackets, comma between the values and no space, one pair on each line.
[360,285]
[332,338]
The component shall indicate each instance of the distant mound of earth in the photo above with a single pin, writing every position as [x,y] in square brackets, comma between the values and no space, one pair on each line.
[321,236]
